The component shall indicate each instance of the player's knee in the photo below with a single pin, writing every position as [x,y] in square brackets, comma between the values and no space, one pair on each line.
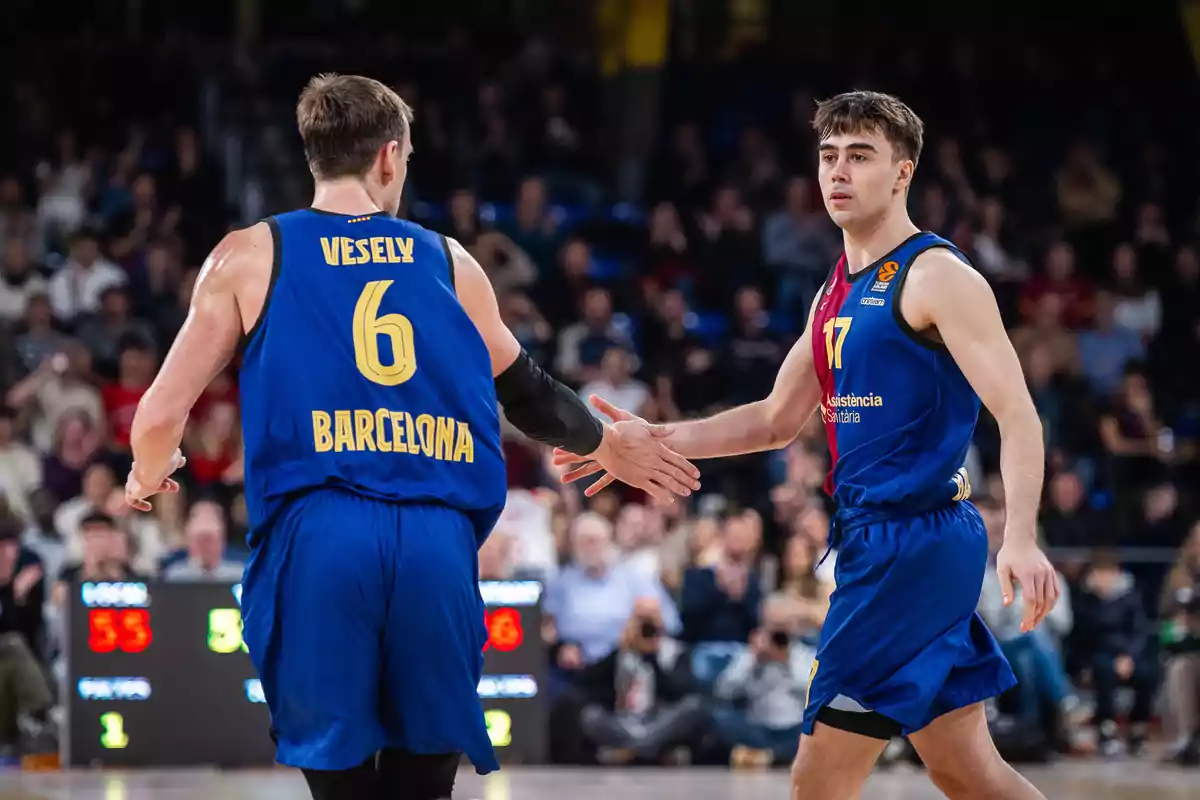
[418,776]
[822,770]
[952,781]
[967,774]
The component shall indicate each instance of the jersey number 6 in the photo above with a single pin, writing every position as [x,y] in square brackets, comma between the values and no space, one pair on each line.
[369,326]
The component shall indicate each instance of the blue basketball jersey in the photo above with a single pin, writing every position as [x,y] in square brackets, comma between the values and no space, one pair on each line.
[898,412]
[364,372]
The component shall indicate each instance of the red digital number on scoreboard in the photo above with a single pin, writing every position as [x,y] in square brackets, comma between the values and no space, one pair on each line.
[504,629]
[125,629]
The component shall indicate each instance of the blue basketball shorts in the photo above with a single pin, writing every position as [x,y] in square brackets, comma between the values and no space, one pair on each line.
[365,623]
[902,637]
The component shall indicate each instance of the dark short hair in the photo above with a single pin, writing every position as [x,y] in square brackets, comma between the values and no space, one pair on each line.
[11,527]
[133,340]
[97,519]
[86,234]
[1106,559]
[862,111]
[345,119]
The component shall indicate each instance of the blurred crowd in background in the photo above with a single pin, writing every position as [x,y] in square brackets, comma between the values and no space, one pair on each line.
[672,285]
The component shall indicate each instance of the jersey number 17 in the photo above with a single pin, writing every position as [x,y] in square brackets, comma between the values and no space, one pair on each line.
[835,330]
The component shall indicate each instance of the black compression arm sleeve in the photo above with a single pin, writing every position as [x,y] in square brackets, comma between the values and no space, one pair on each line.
[545,410]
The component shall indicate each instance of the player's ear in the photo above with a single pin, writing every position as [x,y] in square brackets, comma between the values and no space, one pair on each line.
[904,179]
[388,162]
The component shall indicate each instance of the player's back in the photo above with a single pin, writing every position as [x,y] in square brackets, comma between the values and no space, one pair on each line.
[898,412]
[365,373]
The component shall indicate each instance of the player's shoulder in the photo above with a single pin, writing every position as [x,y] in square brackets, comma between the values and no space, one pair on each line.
[239,251]
[943,268]
[941,283]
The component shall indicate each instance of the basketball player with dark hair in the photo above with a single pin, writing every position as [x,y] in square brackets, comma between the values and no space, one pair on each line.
[904,341]
[373,359]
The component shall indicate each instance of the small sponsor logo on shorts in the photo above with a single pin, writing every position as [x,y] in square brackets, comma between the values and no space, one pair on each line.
[871,301]
[962,484]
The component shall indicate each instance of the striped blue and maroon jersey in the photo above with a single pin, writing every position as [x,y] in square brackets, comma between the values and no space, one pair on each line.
[897,410]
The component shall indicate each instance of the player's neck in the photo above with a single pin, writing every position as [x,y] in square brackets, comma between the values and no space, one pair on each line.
[347,196]
[875,240]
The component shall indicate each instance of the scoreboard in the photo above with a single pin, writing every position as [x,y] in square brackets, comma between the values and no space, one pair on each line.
[158,675]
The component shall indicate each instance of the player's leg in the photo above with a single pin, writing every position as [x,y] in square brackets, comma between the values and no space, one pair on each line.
[833,763]
[411,776]
[314,605]
[433,653]
[963,762]
[356,783]
[842,737]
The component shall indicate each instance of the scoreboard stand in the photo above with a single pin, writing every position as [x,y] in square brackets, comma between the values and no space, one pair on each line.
[158,676]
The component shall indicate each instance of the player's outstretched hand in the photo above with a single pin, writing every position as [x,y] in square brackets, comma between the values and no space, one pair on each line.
[632,452]
[1021,562]
[136,492]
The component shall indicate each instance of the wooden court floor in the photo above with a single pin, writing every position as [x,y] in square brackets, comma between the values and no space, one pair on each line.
[1129,780]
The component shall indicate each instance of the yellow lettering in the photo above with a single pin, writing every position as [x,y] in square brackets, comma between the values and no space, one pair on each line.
[330,250]
[425,427]
[464,448]
[364,250]
[383,419]
[364,430]
[398,443]
[392,256]
[322,438]
[347,245]
[343,432]
[833,349]
[444,448]
[414,446]
[406,247]
[386,431]
[377,254]
[369,326]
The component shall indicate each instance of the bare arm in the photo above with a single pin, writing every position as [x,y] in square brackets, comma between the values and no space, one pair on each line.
[946,294]
[479,301]
[202,349]
[767,424]
[28,387]
[548,412]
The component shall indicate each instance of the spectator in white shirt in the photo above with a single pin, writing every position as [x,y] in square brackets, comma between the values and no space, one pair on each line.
[98,484]
[20,467]
[204,533]
[58,386]
[76,287]
[617,385]
[18,281]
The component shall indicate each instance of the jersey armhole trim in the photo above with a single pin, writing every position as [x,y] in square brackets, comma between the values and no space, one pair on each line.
[449,262]
[276,264]
[898,315]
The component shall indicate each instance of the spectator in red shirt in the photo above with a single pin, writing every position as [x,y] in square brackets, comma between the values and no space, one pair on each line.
[1061,279]
[136,365]
[212,445]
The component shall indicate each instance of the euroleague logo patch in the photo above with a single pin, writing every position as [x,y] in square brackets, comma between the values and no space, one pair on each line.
[884,277]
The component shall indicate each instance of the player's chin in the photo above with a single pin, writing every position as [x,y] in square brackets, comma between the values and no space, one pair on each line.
[842,214]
